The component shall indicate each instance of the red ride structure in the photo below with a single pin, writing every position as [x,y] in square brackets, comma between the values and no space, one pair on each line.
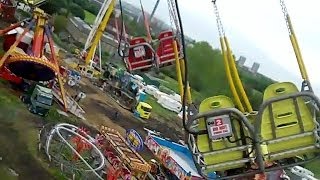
[25,56]
[81,144]
[7,75]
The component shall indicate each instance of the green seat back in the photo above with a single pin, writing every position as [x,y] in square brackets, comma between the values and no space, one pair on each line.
[285,115]
[203,141]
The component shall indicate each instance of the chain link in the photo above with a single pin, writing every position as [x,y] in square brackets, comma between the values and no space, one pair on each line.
[286,15]
[218,19]
[175,22]
[170,15]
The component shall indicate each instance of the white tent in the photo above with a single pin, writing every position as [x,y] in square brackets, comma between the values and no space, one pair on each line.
[169,103]
[158,94]
[150,89]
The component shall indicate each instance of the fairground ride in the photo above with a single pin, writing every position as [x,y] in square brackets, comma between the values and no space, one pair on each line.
[25,55]
[232,140]
[240,142]
[93,41]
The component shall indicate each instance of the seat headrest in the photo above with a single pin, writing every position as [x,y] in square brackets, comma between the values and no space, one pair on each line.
[165,34]
[137,40]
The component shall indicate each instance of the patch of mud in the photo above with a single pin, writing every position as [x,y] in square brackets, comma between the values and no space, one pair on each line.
[133,123]
[100,110]
[87,89]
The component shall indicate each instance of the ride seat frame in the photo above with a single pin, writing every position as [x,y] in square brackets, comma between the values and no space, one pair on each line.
[145,60]
[165,51]
[287,151]
[198,156]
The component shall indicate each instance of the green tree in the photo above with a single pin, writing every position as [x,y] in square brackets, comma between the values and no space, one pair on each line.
[68,7]
[206,69]
[93,8]
[60,23]
[82,3]
[85,4]
[207,74]
[76,10]
[53,6]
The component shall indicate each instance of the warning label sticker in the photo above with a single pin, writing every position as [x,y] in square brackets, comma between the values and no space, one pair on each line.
[139,51]
[219,127]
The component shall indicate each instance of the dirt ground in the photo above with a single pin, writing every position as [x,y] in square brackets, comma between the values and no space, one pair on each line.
[100,110]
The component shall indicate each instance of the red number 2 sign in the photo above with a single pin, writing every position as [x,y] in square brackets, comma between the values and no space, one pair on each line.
[218,122]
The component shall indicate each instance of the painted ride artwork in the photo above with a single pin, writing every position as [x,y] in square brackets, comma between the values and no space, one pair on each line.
[104,90]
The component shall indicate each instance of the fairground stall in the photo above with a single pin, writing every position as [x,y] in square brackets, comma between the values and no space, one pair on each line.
[122,157]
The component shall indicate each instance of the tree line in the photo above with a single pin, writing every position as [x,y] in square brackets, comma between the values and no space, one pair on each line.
[207,74]
[67,7]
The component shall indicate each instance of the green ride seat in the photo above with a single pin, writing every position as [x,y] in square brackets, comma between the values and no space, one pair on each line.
[220,154]
[287,126]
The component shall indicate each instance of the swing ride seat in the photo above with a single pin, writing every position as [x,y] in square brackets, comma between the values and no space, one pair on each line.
[141,55]
[165,51]
[224,141]
[285,122]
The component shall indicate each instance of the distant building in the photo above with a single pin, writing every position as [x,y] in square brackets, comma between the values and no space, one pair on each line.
[255,67]
[241,61]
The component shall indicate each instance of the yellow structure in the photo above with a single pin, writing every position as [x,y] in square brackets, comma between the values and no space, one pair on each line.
[88,71]
[99,33]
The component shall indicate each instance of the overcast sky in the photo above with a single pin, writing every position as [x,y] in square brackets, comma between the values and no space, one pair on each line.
[256,30]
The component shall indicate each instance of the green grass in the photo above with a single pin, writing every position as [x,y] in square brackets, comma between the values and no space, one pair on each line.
[157,109]
[18,121]
[173,85]
[89,17]
[7,100]
[315,168]
[5,174]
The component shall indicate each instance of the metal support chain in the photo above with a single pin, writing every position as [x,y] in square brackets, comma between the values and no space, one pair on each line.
[171,14]
[218,19]
[286,15]
[174,21]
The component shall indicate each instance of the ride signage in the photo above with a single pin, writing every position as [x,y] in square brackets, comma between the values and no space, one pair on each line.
[219,127]
[134,140]
[139,51]
[163,154]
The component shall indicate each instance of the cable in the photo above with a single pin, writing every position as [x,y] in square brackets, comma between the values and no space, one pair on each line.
[146,23]
[185,83]
[121,33]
